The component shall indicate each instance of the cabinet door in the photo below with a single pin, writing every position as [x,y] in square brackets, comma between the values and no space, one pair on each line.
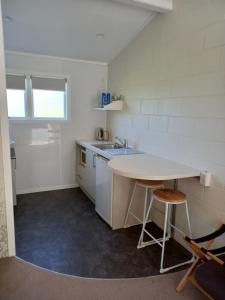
[103,204]
[91,173]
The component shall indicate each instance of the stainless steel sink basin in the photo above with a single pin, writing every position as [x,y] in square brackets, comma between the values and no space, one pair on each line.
[116,149]
[107,146]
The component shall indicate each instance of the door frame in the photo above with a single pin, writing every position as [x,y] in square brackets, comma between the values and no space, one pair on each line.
[5,141]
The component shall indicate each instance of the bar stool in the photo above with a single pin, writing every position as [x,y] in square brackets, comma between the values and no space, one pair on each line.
[169,197]
[147,185]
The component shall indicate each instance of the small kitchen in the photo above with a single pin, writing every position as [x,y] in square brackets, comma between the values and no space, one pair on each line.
[117,137]
[96,179]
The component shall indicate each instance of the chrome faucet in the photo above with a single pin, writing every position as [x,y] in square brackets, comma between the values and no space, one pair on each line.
[123,142]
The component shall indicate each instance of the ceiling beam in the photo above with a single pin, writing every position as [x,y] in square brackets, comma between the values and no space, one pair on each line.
[156,5]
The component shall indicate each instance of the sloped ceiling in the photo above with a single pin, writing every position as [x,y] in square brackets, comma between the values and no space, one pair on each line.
[68,28]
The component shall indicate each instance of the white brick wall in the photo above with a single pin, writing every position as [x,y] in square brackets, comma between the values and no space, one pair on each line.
[173,79]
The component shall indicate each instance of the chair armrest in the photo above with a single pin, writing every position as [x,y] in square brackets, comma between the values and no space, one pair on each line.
[208,237]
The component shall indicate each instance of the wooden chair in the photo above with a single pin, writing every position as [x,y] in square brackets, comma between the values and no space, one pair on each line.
[207,272]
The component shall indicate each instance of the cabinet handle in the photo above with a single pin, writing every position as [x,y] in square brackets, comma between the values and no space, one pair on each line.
[94,161]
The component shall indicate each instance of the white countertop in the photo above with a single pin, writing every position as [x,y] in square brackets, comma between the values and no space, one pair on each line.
[142,166]
[150,167]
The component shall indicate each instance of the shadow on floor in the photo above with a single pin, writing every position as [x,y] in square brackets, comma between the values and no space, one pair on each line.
[60,231]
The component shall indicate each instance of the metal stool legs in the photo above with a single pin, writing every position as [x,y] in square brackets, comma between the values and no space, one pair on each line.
[145,220]
[129,212]
[166,234]
[129,207]
[143,244]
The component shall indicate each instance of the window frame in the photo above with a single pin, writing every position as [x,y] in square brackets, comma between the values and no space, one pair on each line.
[28,96]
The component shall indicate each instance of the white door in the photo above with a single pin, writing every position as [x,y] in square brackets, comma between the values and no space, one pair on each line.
[103,202]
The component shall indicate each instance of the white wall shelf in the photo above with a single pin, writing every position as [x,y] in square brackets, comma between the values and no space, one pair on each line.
[115,105]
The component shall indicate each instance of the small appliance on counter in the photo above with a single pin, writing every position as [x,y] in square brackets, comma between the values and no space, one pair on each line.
[106,135]
[101,134]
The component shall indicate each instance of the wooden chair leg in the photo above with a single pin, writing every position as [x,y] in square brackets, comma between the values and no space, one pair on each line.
[190,274]
[184,280]
[195,283]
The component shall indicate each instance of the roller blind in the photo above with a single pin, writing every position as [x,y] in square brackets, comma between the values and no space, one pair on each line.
[51,84]
[15,82]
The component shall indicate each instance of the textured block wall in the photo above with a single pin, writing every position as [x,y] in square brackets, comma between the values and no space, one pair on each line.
[173,79]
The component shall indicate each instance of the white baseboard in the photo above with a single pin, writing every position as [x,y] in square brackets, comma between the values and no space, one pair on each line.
[45,189]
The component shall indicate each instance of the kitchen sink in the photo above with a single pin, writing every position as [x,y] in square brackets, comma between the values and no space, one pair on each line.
[116,149]
[108,146]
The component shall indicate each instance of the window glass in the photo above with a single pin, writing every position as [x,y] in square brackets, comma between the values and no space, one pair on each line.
[16,103]
[48,104]
[34,97]
[16,96]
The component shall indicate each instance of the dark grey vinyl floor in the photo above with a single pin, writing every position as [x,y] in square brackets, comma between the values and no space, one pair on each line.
[60,231]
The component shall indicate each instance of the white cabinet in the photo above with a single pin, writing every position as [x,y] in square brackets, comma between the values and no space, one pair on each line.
[91,173]
[86,171]
[110,192]
[103,203]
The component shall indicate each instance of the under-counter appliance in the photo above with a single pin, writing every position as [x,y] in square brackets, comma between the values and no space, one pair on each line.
[104,177]
[83,159]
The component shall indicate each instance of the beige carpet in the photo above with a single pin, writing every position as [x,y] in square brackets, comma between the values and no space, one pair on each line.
[22,281]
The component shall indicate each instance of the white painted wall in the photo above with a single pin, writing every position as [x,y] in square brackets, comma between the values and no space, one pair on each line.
[7,234]
[45,150]
[173,79]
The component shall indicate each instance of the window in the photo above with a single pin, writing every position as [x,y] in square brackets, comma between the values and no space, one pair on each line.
[33,97]
[16,96]
[49,95]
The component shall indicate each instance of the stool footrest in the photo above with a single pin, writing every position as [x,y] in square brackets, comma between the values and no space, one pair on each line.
[152,242]
[164,270]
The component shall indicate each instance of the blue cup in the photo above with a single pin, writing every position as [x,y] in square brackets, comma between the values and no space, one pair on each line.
[108,98]
[103,99]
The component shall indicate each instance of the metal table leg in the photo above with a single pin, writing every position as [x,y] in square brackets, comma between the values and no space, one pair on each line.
[173,217]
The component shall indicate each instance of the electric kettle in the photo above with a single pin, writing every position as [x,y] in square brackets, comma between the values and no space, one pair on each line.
[99,134]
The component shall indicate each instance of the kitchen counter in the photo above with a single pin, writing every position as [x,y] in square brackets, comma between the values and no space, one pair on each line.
[110,153]
[109,192]
[150,167]
[142,166]
[108,179]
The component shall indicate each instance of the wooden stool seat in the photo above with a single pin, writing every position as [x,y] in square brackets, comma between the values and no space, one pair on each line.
[151,184]
[169,195]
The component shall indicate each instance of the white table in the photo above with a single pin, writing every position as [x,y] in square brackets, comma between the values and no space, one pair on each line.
[150,167]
